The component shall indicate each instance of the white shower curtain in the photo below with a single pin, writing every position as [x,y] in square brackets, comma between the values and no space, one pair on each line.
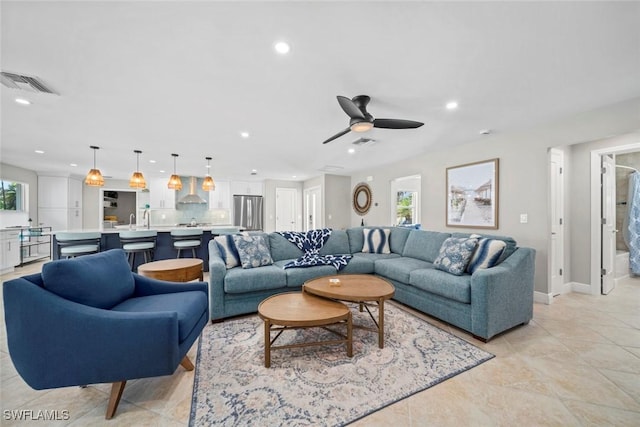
[631,226]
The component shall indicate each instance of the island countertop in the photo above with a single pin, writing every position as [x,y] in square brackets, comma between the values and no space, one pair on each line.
[164,244]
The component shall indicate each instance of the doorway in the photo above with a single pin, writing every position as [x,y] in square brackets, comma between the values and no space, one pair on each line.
[312,208]
[117,206]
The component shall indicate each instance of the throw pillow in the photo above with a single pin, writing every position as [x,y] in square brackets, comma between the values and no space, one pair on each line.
[228,250]
[486,254]
[101,280]
[376,240]
[455,254]
[253,251]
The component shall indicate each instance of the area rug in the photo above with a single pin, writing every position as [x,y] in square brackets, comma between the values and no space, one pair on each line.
[320,386]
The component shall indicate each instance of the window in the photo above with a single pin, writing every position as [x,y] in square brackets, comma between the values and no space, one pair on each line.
[12,196]
[406,207]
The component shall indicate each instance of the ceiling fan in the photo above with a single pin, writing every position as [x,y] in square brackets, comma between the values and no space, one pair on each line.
[362,121]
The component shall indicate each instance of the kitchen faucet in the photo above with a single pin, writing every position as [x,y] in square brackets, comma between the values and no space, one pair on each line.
[131,220]
[145,218]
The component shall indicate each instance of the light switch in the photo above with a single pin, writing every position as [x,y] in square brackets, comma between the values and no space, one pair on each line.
[524,218]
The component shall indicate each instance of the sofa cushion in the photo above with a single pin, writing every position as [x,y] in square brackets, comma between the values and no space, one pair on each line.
[455,255]
[238,280]
[190,306]
[337,244]
[399,268]
[99,280]
[356,239]
[486,254]
[398,239]
[375,257]
[281,248]
[359,265]
[457,288]
[253,251]
[376,240]
[297,276]
[424,245]
[228,251]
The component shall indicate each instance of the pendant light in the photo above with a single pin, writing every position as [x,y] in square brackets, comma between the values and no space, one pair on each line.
[137,179]
[208,184]
[94,177]
[175,183]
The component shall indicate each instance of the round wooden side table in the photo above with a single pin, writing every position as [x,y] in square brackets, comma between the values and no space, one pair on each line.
[173,270]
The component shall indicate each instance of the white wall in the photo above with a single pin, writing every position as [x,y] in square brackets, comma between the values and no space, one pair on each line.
[524,180]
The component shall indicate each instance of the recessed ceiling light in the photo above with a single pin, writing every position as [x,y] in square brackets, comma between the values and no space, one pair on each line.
[293,176]
[245,135]
[39,151]
[351,150]
[485,132]
[152,161]
[161,171]
[73,164]
[23,101]
[282,48]
[452,105]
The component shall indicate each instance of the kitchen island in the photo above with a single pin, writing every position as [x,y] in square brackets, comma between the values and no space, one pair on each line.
[164,244]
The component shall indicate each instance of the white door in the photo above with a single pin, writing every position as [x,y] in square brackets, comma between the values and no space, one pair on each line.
[608,224]
[312,208]
[556,252]
[286,209]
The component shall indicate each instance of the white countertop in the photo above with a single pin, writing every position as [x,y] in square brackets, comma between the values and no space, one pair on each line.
[158,228]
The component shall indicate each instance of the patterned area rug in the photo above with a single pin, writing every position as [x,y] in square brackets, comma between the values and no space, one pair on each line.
[320,386]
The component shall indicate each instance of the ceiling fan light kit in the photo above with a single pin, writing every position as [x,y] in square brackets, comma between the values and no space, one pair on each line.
[362,121]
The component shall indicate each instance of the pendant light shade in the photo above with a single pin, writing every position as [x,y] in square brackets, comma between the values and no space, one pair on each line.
[175,183]
[94,177]
[137,179]
[208,184]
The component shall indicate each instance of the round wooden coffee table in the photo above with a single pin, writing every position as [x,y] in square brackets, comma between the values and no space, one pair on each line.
[296,310]
[173,270]
[360,288]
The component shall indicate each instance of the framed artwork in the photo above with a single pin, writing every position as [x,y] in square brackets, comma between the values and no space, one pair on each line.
[472,195]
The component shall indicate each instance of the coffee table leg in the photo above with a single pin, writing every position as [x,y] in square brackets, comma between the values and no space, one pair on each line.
[349,336]
[381,323]
[267,344]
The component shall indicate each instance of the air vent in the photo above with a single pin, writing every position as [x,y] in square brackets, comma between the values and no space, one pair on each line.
[331,168]
[363,142]
[28,83]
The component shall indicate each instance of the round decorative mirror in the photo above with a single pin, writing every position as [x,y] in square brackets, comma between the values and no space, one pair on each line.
[362,198]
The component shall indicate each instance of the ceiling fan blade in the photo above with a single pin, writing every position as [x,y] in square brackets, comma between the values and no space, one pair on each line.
[350,107]
[338,135]
[396,124]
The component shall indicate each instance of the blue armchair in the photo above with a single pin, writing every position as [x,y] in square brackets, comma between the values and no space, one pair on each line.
[90,320]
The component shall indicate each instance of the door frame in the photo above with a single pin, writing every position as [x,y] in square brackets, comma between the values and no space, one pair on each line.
[596,206]
[563,287]
[319,220]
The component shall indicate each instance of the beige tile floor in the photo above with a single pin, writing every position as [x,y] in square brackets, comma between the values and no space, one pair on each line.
[576,364]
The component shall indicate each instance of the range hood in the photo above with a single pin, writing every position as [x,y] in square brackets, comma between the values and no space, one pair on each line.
[192,198]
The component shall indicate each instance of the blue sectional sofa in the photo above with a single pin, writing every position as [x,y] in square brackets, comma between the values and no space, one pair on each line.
[484,303]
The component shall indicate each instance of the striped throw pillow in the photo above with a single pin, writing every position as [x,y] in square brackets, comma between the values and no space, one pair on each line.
[487,253]
[228,250]
[376,240]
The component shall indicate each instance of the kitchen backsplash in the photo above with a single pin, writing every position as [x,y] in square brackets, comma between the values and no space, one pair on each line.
[200,213]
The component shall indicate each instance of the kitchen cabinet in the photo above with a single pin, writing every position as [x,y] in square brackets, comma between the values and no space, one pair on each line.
[251,188]
[35,244]
[220,198]
[9,249]
[60,202]
[161,197]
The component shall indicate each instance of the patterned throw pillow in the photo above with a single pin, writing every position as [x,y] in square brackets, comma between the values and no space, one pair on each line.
[455,254]
[487,254]
[253,251]
[228,250]
[376,240]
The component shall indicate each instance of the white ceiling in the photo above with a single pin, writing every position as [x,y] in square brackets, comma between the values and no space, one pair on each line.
[177,77]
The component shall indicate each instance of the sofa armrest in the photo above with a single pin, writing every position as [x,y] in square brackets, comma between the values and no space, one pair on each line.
[217,273]
[147,286]
[54,342]
[502,296]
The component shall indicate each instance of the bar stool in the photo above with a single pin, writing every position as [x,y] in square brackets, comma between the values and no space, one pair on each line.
[186,238]
[73,244]
[138,241]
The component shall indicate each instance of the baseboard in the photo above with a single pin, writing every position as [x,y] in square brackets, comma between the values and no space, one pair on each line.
[581,288]
[542,298]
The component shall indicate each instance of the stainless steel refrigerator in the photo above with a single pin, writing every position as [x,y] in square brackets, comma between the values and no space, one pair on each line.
[247,212]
